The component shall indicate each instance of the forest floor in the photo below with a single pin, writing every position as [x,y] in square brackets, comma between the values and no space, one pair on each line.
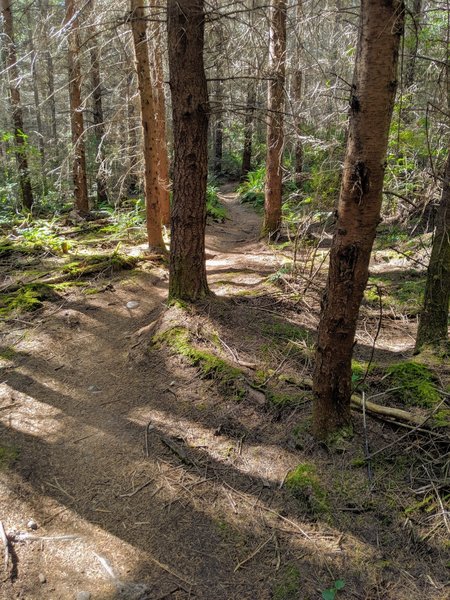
[154,452]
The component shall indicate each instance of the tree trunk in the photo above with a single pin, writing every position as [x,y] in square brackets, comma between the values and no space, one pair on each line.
[372,99]
[16,106]
[248,129]
[97,114]
[160,110]
[151,174]
[132,182]
[298,151]
[410,70]
[433,321]
[36,95]
[190,108]
[50,80]
[297,97]
[275,119]
[76,111]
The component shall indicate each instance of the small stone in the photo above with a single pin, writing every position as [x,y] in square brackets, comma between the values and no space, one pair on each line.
[132,304]
[83,596]
[32,525]
[42,578]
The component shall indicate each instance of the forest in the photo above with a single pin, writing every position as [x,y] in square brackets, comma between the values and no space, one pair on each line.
[224,300]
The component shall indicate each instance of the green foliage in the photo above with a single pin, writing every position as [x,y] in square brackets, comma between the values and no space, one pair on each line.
[403,293]
[416,384]
[303,482]
[8,455]
[251,190]
[214,208]
[128,220]
[288,584]
[330,593]
[229,378]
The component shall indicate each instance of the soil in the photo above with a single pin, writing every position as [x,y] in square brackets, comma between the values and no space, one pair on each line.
[137,477]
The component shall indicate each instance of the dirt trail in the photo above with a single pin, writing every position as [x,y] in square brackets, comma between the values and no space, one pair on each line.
[78,411]
[202,516]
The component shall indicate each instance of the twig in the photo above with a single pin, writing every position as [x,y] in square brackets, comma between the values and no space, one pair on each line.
[180,452]
[147,431]
[5,542]
[372,352]
[138,489]
[444,512]
[22,536]
[366,440]
[61,489]
[402,437]
[253,554]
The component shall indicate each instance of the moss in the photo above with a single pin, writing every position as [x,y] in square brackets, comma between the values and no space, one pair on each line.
[284,400]
[179,340]
[8,455]
[288,584]
[27,299]
[181,304]
[7,353]
[359,370]
[303,482]
[339,440]
[9,248]
[415,383]
[286,331]
[441,418]
[86,265]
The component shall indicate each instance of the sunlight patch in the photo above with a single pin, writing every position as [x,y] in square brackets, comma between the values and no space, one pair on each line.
[29,416]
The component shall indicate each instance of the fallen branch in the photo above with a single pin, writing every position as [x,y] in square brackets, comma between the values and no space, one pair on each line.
[385,411]
[253,554]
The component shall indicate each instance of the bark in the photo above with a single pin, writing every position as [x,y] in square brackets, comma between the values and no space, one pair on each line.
[298,151]
[131,180]
[151,174]
[97,115]
[36,94]
[16,105]
[190,108]
[248,129]
[275,119]
[297,98]
[50,80]
[410,71]
[218,131]
[160,110]
[433,321]
[372,98]
[218,104]
[76,111]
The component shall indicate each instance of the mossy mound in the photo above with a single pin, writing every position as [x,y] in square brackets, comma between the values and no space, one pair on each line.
[304,484]
[281,400]
[415,384]
[179,340]
[86,265]
[28,298]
